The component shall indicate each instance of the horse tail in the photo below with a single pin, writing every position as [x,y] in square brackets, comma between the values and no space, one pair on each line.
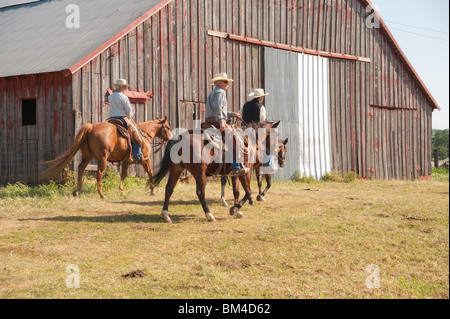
[165,164]
[60,162]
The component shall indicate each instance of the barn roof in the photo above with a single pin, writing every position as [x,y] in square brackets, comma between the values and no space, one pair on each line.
[7,3]
[35,39]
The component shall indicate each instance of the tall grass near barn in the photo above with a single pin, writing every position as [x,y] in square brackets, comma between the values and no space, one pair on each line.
[110,183]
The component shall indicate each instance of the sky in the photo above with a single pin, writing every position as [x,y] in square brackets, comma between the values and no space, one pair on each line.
[421,28]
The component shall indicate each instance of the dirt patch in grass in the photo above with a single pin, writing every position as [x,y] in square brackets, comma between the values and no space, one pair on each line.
[135,274]
[232,264]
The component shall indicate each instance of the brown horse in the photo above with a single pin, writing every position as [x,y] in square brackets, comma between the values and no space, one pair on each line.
[199,172]
[281,151]
[103,142]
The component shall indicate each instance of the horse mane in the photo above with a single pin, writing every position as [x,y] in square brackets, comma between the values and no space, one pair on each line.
[257,125]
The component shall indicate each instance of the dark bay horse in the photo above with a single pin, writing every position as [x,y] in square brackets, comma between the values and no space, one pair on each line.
[199,171]
[103,142]
[281,151]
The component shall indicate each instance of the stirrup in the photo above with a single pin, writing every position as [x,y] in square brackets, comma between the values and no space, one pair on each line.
[140,160]
[241,172]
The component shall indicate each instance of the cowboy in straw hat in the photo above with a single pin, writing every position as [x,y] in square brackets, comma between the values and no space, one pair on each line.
[122,84]
[254,111]
[221,77]
[216,104]
[217,112]
[121,110]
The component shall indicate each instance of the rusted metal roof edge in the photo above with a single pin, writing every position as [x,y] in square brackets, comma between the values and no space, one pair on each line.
[66,72]
[118,36]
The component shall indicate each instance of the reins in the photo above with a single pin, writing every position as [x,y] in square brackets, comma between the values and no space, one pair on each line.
[158,145]
[148,137]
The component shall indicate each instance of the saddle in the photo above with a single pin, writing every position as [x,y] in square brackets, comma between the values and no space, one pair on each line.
[219,143]
[131,134]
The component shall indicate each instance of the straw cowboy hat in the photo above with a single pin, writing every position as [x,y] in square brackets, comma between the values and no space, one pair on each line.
[258,93]
[221,77]
[121,82]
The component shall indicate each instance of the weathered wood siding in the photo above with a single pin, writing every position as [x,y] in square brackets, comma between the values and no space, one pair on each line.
[22,147]
[380,116]
[172,56]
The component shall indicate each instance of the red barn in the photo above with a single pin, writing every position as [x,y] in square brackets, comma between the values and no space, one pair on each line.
[358,103]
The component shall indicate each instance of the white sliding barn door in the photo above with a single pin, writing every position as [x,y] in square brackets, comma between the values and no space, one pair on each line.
[299,97]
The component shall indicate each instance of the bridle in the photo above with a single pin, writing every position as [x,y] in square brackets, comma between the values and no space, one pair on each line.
[159,145]
[281,151]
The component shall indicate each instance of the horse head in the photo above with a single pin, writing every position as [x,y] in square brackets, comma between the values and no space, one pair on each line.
[281,151]
[164,132]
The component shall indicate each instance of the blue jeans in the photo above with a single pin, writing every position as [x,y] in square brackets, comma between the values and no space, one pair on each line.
[137,151]
[235,166]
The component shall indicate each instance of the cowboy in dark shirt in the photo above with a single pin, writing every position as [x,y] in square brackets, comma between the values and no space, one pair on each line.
[254,111]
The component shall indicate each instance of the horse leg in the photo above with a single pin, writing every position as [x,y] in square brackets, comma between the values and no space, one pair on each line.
[245,181]
[101,169]
[148,169]
[236,193]
[251,202]
[259,198]
[200,180]
[123,176]
[235,210]
[85,159]
[174,176]
[223,181]
[269,184]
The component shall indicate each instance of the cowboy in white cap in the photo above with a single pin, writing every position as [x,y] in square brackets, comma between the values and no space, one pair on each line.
[217,112]
[254,111]
[121,110]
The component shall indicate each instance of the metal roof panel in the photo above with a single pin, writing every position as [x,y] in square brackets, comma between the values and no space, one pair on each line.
[35,38]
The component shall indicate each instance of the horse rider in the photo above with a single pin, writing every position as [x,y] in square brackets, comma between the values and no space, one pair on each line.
[254,111]
[121,110]
[217,113]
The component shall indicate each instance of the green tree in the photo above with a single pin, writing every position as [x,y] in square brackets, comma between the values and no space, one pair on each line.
[441,143]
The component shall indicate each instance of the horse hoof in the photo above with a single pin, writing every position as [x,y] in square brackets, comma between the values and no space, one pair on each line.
[239,215]
[260,198]
[165,217]
[224,203]
[152,193]
[234,210]
[76,194]
[251,202]
[210,217]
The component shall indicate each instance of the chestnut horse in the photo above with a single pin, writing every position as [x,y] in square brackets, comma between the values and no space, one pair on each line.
[281,151]
[103,142]
[199,172]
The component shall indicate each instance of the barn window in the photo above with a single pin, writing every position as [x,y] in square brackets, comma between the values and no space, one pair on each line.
[28,112]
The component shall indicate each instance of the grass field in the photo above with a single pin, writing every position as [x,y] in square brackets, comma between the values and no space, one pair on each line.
[309,240]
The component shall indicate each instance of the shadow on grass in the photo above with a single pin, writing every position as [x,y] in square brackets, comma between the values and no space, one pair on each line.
[125,218]
[172,203]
